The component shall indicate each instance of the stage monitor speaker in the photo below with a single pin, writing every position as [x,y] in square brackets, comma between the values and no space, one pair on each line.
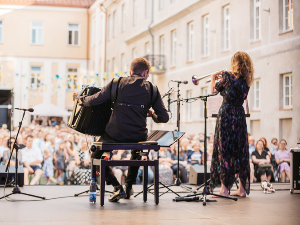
[11,176]
[295,170]
[196,175]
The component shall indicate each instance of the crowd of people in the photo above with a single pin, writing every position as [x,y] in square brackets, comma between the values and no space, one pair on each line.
[59,155]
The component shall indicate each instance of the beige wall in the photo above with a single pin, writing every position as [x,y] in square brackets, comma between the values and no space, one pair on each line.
[17,33]
[274,54]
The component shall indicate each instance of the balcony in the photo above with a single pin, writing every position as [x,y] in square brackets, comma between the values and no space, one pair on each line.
[157,62]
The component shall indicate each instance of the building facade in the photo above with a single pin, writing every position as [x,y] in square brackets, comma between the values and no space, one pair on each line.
[185,38]
[179,38]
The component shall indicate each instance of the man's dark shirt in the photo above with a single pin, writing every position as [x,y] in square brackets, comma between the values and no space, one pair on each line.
[128,123]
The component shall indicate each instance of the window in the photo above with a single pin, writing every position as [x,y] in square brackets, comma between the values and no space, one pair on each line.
[108,27]
[162,49]
[72,78]
[134,12]
[134,53]
[205,44]
[123,17]
[73,34]
[147,8]
[189,111]
[36,33]
[190,42]
[287,15]
[123,63]
[173,47]
[256,94]
[226,25]
[161,4]
[287,90]
[114,24]
[147,48]
[1,31]
[35,80]
[256,19]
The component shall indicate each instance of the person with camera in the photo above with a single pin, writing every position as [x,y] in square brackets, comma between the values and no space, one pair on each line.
[128,119]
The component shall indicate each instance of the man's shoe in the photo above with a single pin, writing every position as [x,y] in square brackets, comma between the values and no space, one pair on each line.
[118,194]
[128,191]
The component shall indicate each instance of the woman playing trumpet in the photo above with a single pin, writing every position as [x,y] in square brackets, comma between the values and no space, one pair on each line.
[231,149]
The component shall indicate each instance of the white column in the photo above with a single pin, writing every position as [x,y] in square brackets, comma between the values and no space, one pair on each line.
[61,94]
[47,82]
[25,86]
[17,91]
[103,61]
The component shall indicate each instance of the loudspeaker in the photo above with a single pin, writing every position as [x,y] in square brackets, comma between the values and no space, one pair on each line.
[295,170]
[197,174]
[11,176]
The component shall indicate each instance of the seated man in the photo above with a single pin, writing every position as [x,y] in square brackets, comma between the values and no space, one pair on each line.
[128,119]
[31,158]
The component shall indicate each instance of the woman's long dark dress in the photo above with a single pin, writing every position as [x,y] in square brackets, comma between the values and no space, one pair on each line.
[231,149]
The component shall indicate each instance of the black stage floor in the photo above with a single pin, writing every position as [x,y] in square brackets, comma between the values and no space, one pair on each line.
[257,208]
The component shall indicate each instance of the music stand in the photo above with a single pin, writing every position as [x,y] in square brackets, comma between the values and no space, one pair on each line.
[16,189]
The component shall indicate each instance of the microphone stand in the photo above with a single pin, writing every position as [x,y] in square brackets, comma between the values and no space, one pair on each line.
[16,189]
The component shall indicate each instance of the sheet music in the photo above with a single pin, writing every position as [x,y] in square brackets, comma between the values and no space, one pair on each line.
[214,103]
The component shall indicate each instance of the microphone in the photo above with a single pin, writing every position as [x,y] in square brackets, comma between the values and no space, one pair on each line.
[179,81]
[168,92]
[29,110]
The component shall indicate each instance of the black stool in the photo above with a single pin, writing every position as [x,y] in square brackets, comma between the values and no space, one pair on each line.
[110,146]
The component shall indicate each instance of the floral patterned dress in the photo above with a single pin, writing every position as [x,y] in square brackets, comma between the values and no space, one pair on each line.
[231,149]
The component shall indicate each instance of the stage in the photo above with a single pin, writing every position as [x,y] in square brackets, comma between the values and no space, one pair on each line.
[257,208]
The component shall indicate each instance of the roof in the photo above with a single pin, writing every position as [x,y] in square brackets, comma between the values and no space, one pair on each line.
[59,3]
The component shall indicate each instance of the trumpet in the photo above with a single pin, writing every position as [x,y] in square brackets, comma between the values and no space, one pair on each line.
[196,79]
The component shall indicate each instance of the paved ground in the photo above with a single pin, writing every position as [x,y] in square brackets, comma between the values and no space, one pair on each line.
[258,208]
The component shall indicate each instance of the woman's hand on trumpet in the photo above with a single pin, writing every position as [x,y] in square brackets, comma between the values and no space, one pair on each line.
[217,75]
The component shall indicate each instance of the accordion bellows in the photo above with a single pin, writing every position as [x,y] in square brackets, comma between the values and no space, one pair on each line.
[90,120]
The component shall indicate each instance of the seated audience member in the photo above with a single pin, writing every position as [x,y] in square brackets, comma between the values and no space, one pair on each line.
[187,150]
[282,157]
[3,145]
[266,149]
[210,149]
[119,171]
[59,159]
[275,146]
[260,158]
[83,171]
[6,154]
[32,158]
[182,163]
[196,157]
[165,161]
[48,165]
[251,146]
[73,159]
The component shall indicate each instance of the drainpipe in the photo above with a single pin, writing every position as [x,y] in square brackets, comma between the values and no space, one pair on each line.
[105,35]
[152,37]
[87,45]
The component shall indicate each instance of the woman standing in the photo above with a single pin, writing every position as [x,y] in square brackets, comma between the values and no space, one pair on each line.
[83,171]
[231,149]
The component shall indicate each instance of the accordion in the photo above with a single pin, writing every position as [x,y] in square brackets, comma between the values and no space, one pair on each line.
[90,120]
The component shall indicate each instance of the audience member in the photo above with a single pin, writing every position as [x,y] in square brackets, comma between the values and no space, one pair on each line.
[120,171]
[59,158]
[275,146]
[283,160]
[261,161]
[32,158]
[187,150]
[73,159]
[182,163]
[83,170]
[251,145]
[6,154]
[48,165]
[196,157]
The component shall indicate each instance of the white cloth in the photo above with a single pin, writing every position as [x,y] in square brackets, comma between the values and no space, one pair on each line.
[2,149]
[31,155]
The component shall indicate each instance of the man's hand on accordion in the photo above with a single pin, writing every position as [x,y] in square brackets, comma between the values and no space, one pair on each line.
[150,113]
[74,97]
